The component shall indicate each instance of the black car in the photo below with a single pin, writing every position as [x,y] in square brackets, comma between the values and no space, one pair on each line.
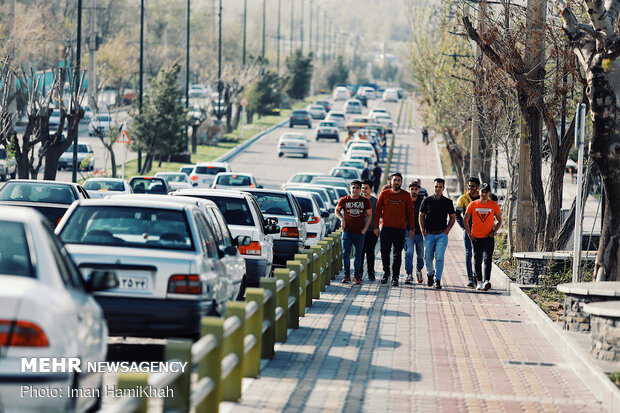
[324,103]
[300,117]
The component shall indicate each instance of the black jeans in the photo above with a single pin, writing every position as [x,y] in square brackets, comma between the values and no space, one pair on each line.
[370,240]
[392,237]
[483,252]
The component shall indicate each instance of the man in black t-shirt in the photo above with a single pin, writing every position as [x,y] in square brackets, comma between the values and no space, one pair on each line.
[434,213]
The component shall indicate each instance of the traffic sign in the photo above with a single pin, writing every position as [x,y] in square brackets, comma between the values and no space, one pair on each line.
[244,102]
[123,137]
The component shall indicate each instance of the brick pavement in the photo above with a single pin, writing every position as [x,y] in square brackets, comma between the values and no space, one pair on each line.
[376,348]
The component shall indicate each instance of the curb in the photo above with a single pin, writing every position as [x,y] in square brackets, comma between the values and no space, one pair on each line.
[231,154]
[597,382]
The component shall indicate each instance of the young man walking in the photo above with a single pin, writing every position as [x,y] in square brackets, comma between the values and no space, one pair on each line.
[472,194]
[415,244]
[366,171]
[483,214]
[355,214]
[434,213]
[370,239]
[395,206]
[376,177]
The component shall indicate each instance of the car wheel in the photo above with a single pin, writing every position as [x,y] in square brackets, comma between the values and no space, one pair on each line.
[305,155]
[280,154]
[290,125]
[241,295]
[337,139]
[309,126]
[316,139]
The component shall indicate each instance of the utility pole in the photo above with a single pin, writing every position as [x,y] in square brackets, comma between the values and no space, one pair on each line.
[477,135]
[301,28]
[219,66]
[92,57]
[245,17]
[75,104]
[278,51]
[310,30]
[318,23]
[141,74]
[325,29]
[264,28]
[292,25]
[531,127]
[185,145]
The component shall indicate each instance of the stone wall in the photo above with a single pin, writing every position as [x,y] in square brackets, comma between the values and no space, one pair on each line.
[532,271]
[605,336]
[575,319]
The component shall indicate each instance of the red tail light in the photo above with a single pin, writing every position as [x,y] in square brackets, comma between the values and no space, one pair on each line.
[306,118]
[315,220]
[311,234]
[185,284]
[252,186]
[194,177]
[252,249]
[289,232]
[19,333]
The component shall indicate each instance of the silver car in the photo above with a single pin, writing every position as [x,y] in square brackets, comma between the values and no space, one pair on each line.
[168,268]
[292,143]
[102,187]
[176,180]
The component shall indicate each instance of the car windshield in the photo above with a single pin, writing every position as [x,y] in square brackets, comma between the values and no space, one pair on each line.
[14,253]
[293,137]
[187,170]
[104,186]
[332,124]
[342,192]
[321,192]
[306,179]
[319,201]
[316,107]
[148,186]
[304,203]
[277,204]
[300,113]
[336,115]
[345,173]
[127,226]
[234,180]
[174,178]
[209,170]
[361,148]
[37,192]
[82,148]
[352,164]
[104,118]
[330,183]
[235,210]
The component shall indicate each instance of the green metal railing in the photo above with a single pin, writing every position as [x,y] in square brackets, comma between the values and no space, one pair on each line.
[231,348]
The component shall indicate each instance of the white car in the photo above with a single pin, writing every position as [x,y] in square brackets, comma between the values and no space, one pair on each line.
[102,187]
[85,158]
[316,225]
[54,119]
[368,92]
[338,118]
[349,174]
[390,95]
[291,143]
[176,180]
[88,114]
[341,93]
[244,217]
[187,170]
[376,111]
[101,122]
[331,181]
[326,198]
[353,106]
[234,180]
[385,120]
[303,178]
[204,173]
[327,129]
[317,111]
[169,269]
[352,163]
[8,166]
[364,149]
[47,309]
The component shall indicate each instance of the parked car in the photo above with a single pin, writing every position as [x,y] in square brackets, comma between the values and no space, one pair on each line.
[363,148]
[346,173]
[300,117]
[315,225]
[368,92]
[168,268]
[234,180]
[329,206]
[204,173]
[282,206]
[332,181]
[338,118]
[352,163]
[47,310]
[317,111]
[325,103]
[390,95]
[244,217]
[176,180]
[353,106]
[303,177]
[102,187]
[341,93]
[187,170]
[50,198]
[88,114]
[293,144]
[327,129]
[8,167]
[85,158]
[101,122]
[54,119]
[385,120]
[378,110]
[149,185]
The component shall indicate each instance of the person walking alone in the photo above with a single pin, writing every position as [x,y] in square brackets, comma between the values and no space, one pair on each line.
[472,194]
[483,214]
[376,177]
[354,213]
[436,226]
[415,244]
[396,208]
[366,171]
[370,239]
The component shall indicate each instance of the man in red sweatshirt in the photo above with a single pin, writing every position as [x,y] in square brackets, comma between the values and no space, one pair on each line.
[395,206]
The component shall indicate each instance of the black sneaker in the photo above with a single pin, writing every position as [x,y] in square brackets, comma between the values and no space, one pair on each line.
[437,285]
[394,282]
[431,279]
[471,284]
[371,276]
[385,278]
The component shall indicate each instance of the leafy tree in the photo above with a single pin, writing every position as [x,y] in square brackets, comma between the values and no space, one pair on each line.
[338,74]
[161,128]
[266,94]
[299,74]
[114,57]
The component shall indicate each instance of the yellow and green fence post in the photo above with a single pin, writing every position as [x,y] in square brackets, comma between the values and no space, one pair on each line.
[181,350]
[269,334]
[233,345]
[211,365]
[254,326]
[300,269]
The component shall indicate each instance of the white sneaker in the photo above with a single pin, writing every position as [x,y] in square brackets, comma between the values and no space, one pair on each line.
[486,286]
[479,286]
[409,279]
[418,275]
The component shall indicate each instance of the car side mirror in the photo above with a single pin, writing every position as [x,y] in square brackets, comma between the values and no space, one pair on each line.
[101,280]
[242,241]
[272,229]
[231,250]
[324,214]
[272,221]
[307,216]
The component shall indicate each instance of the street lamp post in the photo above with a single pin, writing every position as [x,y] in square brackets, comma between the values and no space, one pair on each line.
[141,73]
[278,52]
[310,28]
[264,28]
[301,28]
[77,87]
[245,16]
[185,145]
[292,25]
[219,66]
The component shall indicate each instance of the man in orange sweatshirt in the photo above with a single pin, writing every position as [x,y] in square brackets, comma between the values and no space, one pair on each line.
[395,206]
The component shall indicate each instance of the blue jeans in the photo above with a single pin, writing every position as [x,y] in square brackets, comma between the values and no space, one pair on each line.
[383,153]
[349,240]
[414,245]
[435,246]
[468,257]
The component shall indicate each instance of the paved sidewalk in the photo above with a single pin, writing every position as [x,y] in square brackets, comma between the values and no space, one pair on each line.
[376,348]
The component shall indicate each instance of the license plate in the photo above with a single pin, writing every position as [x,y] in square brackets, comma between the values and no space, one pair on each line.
[132,283]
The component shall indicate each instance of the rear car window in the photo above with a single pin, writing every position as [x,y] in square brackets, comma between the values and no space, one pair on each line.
[148,186]
[236,211]
[234,180]
[277,204]
[34,192]
[306,204]
[306,179]
[300,113]
[104,186]
[209,170]
[14,253]
[129,227]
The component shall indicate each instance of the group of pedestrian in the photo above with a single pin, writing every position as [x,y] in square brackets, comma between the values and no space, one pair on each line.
[418,224]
